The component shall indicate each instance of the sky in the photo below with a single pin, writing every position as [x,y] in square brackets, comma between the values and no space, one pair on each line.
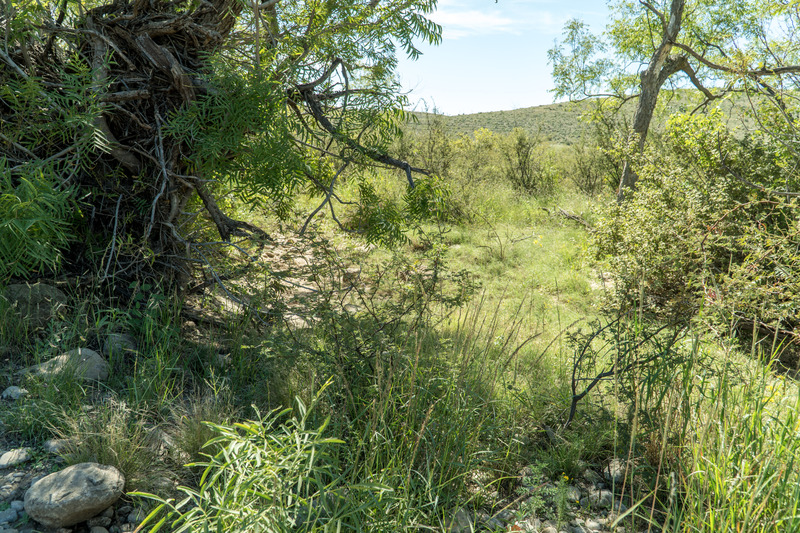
[493,55]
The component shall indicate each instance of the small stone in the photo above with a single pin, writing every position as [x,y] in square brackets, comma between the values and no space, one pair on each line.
[593,525]
[8,516]
[56,446]
[9,530]
[136,516]
[18,505]
[615,471]
[108,512]
[98,529]
[13,393]
[592,477]
[573,494]
[127,527]
[117,344]
[99,521]
[15,457]
[549,529]
[460,523]
[123,511]
[603,499]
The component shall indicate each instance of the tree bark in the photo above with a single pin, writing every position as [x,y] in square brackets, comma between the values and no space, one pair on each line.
[660,67]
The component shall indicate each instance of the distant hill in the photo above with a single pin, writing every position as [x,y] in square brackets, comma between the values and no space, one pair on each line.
[560,123]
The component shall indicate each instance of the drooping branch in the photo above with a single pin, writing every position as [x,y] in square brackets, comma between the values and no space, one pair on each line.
[313,105]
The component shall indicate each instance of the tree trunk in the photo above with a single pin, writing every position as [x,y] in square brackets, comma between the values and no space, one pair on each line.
[661,66]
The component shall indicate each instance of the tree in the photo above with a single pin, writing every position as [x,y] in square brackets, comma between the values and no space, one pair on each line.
[143,114]
[718,48]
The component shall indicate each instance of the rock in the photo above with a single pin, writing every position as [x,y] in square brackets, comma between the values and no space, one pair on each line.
[98,529]
[573,494]
[8,516]
[460,523]
[119,344]
[99,521]
[74,494]
[351,275]
[602,499]
[35,304]
[136,516]
[615,471]
[13,393]
[15,457]
[578,529]
[108,512]
[528,525]
[593,525]
[17,505]
[82,362]
[56,446]
[591,476]
[9,530]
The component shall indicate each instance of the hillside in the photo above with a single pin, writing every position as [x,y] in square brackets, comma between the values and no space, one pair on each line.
[561,122]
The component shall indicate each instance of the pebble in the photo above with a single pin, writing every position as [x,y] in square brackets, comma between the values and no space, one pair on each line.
[136,516]
[98,529]
[8,516]
[56,446]
[593,525]
[17,505]
[15,457]
[99,521]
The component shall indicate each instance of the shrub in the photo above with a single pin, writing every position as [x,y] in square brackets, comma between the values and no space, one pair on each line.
[707,229]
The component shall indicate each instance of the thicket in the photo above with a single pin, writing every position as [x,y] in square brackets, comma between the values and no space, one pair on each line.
[711,232]
[126,129]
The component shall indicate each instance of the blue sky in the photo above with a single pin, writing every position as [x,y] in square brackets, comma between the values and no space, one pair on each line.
[493,56]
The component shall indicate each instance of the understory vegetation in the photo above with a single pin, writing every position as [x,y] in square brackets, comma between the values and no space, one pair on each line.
[527,321]
[318,316]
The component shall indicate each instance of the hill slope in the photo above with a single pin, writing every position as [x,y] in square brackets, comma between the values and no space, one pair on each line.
[560,123]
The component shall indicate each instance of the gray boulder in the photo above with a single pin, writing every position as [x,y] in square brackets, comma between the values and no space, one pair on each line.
[15,457]
[119,344]
[35,303]
[84,363]
[13,393]
[74,494]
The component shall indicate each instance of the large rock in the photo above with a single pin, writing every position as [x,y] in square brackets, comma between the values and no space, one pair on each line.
[15,457]
[74,494]
[84,363]
[35,303]
[13,393]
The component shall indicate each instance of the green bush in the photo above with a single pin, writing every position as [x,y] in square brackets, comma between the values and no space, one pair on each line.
[708,229]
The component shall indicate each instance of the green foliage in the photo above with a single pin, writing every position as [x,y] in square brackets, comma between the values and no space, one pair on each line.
[240,135]
[276,473]
[697,234]
[527,166]
[35,217]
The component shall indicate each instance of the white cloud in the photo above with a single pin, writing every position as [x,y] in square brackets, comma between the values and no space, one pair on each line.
[467,18]
[457,23]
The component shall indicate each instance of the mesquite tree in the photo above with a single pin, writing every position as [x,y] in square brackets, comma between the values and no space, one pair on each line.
[716,48]
[122,122]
